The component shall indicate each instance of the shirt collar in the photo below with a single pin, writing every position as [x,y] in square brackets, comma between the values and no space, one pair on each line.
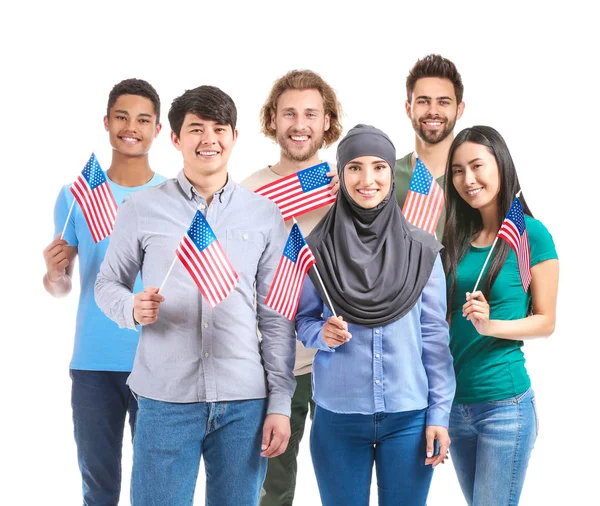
[188,188]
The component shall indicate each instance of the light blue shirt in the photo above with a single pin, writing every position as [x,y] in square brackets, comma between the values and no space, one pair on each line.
[403,366]
[100,345]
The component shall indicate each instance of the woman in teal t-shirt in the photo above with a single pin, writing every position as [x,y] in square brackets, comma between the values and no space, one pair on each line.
[493,423]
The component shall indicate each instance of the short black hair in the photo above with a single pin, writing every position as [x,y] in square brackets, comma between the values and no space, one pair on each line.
[208,102]
[134,86]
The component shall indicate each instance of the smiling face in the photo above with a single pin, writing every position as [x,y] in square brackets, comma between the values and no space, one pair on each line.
[300,123]
[205,145]
[131,125]
[367,180]
[475,175]
[433,110]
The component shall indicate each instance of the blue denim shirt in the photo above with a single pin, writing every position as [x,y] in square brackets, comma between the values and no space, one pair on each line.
[403,366]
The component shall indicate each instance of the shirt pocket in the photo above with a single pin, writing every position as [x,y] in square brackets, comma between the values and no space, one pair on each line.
[244,249]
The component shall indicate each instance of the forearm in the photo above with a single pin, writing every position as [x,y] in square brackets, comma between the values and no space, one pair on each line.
[532,327]
[59,288]
[115,300]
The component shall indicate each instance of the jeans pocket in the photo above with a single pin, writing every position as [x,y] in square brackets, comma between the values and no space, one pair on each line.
[535,415]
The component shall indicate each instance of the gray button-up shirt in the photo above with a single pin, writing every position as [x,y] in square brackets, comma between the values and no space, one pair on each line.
[194,353]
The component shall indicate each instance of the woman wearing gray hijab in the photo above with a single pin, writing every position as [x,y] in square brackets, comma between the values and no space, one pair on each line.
[383,379]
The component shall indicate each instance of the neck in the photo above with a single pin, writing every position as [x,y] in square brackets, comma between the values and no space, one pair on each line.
[287,166]
[489,219]
[434,156]
[207,185]
[129,170]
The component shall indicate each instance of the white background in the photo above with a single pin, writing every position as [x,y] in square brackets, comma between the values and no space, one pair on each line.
[528,71]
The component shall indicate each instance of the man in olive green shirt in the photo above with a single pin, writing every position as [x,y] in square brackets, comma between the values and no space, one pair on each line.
[434,102]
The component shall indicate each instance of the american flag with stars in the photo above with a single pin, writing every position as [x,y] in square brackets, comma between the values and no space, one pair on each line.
[424,200]
[203,257]
[92,192]
[513,231]
[301,192]
[295,262]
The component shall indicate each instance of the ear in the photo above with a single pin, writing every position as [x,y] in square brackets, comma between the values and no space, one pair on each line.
[408,109]
[157,129]
[175,140]
[327,121]
[461,109]
[273,126]
[235,137]
[106,123]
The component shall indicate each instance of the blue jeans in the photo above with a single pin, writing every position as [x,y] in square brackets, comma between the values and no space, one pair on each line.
[491,445]
[100,401]
[170,438]
[345,446]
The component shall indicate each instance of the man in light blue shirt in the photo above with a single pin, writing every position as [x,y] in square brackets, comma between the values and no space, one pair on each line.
[103,353]
[206,386]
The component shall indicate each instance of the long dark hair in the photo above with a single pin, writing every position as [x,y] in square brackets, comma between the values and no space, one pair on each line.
[463,222]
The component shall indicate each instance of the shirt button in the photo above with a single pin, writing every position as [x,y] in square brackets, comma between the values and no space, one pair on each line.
[376,331]
[202,207]
[205,325]
[377,382]
[376,355]
[206,355]
[245,236]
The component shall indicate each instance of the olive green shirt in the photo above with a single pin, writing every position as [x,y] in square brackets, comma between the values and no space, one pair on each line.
[404,172]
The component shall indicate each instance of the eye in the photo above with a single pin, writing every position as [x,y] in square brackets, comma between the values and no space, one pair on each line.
[287,114]
[143,120]
[380,167]
[312,115]
[444,102]
[456,171]
[122,118]
[477,165]
[353,168]
[220,129]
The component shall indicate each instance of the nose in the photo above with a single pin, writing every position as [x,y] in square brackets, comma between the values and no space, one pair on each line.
[368,176]
[300,122]
[469,176]
[208,137]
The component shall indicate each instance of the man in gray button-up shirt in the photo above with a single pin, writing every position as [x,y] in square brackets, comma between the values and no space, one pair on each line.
[203,380]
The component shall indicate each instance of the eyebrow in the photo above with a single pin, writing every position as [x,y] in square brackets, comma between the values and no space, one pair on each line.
[122,111]
[470,162]
[311,109]
[437,98]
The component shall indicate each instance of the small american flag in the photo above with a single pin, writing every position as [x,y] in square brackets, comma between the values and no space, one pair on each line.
[301,192]
[93,194]
[424,200]
[204,258]
[295,262]
[513,231]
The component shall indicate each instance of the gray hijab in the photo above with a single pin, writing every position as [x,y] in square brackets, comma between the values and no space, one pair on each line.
[374,264]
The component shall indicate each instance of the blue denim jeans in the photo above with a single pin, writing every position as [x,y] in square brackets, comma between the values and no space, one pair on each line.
[345,446]
[170,438]
[100,401]
[491,445]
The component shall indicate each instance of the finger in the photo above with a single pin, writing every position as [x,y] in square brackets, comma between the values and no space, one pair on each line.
[266,439]
[282,448]
[439,459]
[337,322]
[155,297]
[149,304]
[273,446]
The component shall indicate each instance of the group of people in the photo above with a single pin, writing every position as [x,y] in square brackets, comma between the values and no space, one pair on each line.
[393,352]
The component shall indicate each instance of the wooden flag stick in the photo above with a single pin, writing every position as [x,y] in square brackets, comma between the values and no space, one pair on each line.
[168,273]
[320,280]
[62,234]
[489,254]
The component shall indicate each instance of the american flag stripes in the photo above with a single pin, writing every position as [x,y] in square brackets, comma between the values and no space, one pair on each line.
[301,192]
[202,255]
[97,202]
[295,262]
[513,231]
[424,200]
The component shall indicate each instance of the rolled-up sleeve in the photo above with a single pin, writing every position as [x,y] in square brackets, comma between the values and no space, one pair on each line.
[278,337]
[437,359]
[114,285]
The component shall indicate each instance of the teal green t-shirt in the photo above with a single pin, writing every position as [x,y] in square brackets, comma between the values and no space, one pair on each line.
[487,368]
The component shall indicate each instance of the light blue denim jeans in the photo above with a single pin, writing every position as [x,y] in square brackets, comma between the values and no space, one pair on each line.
[491,445]
[170,438]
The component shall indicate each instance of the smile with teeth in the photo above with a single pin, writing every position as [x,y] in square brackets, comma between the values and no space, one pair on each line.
[472,193]
[367,192]
[433,124]
[207,153]
[130,140]
[299,138]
